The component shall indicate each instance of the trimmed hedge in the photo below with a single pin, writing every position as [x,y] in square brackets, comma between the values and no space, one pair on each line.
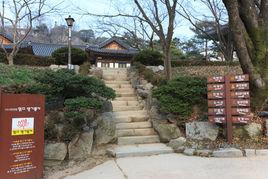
[149,57]
[79,56]
[28,59]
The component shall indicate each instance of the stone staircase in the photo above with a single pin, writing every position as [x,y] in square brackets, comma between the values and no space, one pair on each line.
[136,136]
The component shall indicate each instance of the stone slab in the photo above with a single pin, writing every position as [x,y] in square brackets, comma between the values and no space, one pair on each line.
[138,140]
[250,152]
[228,153]
[263,152]
[108,170]
[140,150]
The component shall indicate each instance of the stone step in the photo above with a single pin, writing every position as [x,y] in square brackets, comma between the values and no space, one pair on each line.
[119,86]
[126,94]
[124,90]
[125,103]
[139,150]
[134,125]
[119,114]
[137,118]
[135,132]
[126,99]
[118,82]
[132,140]
[126,108]
[115,70]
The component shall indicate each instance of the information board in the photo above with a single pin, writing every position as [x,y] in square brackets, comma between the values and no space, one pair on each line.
[21,136]
[229,100]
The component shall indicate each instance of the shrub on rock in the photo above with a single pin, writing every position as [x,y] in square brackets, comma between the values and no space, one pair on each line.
[181,95]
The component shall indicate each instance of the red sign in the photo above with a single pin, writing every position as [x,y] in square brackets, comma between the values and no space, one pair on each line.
[240,102]
[216,103]
[215,87]
[216,111]
[21,136]
[240,94]
[216,79]
[216,95]
[243,119]
[217,119]
[240,86]
[239,78]
[240,111]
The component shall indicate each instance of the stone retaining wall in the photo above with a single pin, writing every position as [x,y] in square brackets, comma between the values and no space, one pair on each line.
[206,71]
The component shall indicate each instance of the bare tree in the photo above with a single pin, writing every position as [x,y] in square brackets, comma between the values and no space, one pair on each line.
[132,29]
[156,16]
[248,21]
[22,14]
[217,18]
[160,17]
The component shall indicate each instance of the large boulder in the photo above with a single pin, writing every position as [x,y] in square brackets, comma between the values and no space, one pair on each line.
[143,93]
[106,130]
[80,146]
[202,131]
[107,106]
[178,144]
[167,131]
[54,153]
[254,129]
[251,130]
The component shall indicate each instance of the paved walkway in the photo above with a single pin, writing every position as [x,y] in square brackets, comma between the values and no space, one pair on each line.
[176,166]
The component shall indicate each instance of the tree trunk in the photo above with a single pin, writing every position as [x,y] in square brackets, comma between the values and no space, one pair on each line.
[167,63]
[10,59]
[249,37]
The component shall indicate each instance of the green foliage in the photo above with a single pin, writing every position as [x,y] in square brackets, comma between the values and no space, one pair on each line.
[176,53]
[29,60]
[149,75]
[79,56]
[149,57]
[81,103]
[66,84]
[180,95]
[15,75]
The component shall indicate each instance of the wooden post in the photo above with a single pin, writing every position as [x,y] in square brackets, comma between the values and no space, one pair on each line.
[229,124]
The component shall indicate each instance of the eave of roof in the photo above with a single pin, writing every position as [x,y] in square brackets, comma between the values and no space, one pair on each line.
[114,39]
[8,37]
[130,52]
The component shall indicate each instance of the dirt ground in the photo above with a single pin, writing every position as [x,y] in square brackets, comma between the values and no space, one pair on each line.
[72,167]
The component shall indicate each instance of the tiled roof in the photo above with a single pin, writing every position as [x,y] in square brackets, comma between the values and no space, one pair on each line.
[22,45]
[212,33]
[46,50]
[43,49]
[100,48]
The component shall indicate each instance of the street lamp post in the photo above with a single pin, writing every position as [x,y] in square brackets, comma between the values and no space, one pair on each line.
[70,21]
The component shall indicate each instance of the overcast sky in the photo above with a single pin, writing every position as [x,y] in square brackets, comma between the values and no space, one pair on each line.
[108,7]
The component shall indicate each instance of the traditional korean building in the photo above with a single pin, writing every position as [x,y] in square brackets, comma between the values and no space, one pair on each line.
[5,39]
[112,53]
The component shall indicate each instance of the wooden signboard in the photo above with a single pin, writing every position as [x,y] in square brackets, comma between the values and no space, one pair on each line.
[228,100]
[21,136]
